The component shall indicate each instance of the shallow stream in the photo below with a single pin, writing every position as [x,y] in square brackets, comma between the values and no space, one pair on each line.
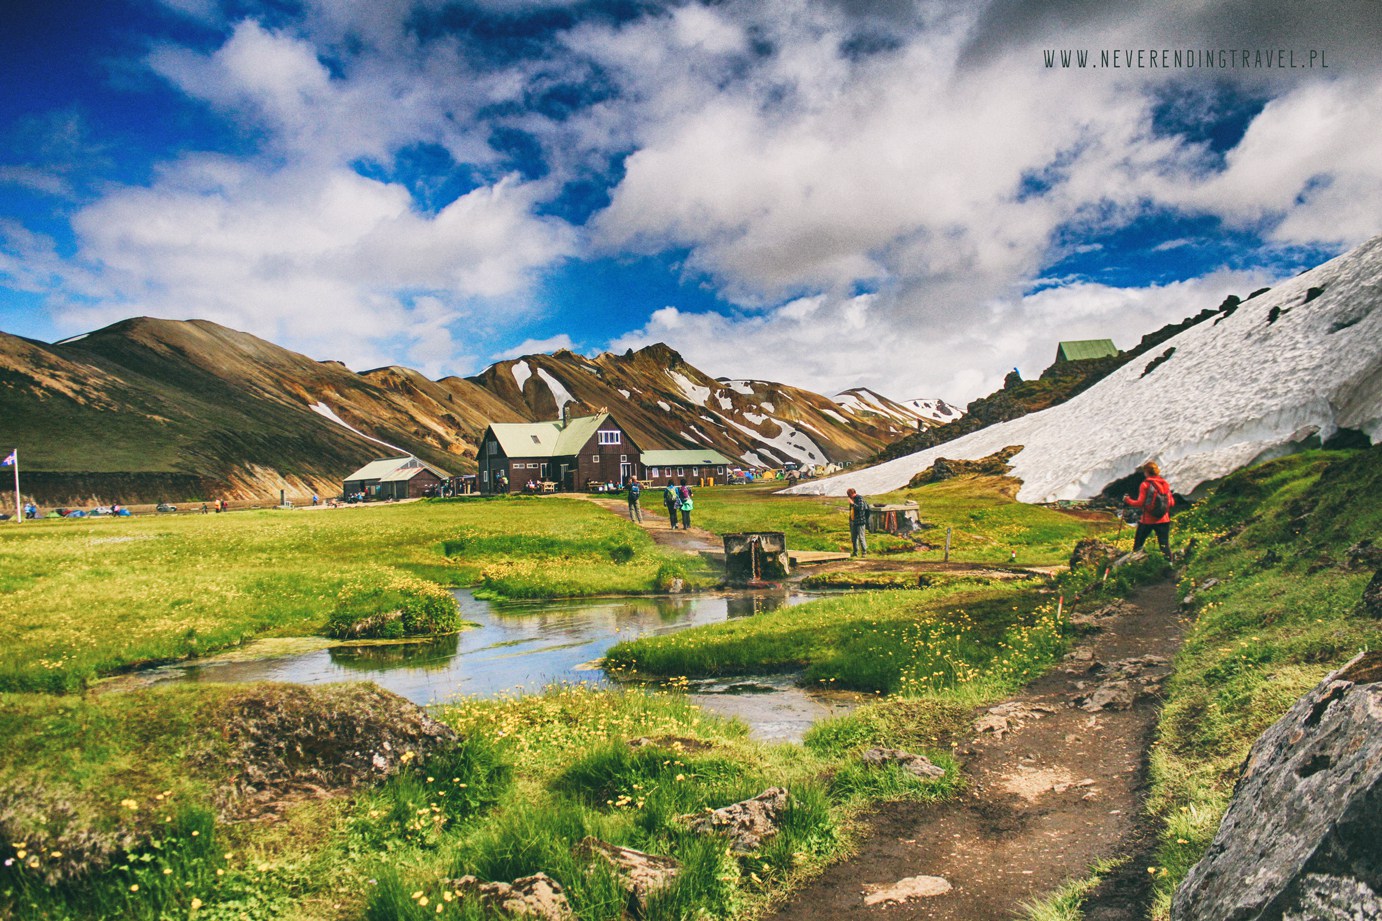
[523,647]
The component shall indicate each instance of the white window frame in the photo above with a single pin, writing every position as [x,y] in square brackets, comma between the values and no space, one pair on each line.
[594,458]
[609,437]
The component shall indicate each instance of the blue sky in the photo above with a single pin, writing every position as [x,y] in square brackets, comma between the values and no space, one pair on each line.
[777,189]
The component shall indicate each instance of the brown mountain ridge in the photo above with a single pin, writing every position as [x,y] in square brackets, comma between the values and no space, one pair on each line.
[148,409]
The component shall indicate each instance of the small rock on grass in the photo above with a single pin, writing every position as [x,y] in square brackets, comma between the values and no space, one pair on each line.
[904,890]
[919,765]
[748,823]
[642,874]
[537,896]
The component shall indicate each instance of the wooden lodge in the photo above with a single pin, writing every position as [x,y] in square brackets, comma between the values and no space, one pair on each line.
[395,478]
[697,465]
[565,455]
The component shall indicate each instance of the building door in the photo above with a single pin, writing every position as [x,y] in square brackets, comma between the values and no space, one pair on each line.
[625,471]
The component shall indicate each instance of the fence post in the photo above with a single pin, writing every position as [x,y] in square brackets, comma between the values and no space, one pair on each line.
[947,545]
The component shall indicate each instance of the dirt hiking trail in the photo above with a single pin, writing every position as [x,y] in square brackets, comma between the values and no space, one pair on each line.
[658,525]
[1055,781]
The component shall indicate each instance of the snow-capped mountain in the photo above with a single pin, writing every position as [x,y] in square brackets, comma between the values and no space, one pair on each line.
[1302,361]
[902,415]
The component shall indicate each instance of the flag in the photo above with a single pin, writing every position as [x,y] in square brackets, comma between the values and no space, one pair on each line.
[14,456]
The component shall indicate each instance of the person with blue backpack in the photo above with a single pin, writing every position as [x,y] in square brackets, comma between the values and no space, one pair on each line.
[1155,501]
[635,490]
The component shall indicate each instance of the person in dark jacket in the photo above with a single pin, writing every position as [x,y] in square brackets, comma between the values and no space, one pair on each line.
[635,490]
[1156,501]
[685,504]
[672,502]
[858,524]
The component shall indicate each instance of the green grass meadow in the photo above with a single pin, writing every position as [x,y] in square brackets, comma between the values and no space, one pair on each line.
[111,802]
[79,599]
[986,525]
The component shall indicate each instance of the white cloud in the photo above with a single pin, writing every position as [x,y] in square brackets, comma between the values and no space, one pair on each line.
[534,347]
[941,169]
[837,343]
[320,259]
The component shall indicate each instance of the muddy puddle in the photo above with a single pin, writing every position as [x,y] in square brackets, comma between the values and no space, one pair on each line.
[524,647]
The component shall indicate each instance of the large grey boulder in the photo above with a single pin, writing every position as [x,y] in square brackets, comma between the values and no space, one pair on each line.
[1302,838]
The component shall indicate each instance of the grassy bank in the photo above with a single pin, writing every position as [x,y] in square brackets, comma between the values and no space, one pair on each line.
[986,525]
[84,598]
[1281,540]
[109,807]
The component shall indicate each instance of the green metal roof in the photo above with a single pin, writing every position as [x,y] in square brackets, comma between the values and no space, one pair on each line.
[526,439]
[698,457]
[1083,349]
[377,470]
[546,439]
[577,432]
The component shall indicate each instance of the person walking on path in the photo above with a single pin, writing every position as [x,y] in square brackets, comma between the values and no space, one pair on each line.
[1156,501]
[685,504]
[635,513]
[858,524]
[672,501]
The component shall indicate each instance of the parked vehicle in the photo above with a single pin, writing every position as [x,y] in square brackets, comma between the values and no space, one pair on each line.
[165,507]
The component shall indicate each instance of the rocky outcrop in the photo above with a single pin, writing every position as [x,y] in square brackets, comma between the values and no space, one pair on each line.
[944,468]
[1093,552]
[290,740]
[537,896]
[748,823]
[918,765]
[642,875]
[1302,838]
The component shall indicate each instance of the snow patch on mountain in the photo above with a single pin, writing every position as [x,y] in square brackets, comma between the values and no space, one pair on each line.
[521,372]
[740,387]
[935,410]
[327,412]
[559,391]
[694,392]
[1303,359]
[789,443]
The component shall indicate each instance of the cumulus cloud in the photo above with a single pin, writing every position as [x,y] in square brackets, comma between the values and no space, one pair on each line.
[830,345]
[853,175]
[944,173]
[534,347]
[328,260]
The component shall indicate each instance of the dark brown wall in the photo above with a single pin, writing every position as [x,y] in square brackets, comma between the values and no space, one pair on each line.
[607,468]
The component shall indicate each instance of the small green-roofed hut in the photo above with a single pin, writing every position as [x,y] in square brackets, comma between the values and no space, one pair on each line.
[1085,349]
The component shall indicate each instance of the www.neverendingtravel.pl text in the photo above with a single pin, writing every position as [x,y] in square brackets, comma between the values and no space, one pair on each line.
[1185,59]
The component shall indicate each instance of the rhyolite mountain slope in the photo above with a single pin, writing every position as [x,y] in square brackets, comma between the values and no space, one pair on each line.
[902,415]
[151,409]
[1297,364]
[663,401]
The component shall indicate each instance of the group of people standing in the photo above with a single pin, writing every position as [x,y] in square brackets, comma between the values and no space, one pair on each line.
[676,497]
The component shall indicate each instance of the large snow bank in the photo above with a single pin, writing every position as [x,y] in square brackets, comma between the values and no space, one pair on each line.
[1234,391]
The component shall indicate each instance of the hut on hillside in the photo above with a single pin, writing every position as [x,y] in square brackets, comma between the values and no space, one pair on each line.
[1085,349]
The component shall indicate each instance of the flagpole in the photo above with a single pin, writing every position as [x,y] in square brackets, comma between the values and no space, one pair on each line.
[18,512]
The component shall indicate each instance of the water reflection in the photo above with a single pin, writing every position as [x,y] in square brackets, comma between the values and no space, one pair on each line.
[430,653]
[526,647]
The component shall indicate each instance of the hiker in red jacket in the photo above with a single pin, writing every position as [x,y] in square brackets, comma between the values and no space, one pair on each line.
[1155,500]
